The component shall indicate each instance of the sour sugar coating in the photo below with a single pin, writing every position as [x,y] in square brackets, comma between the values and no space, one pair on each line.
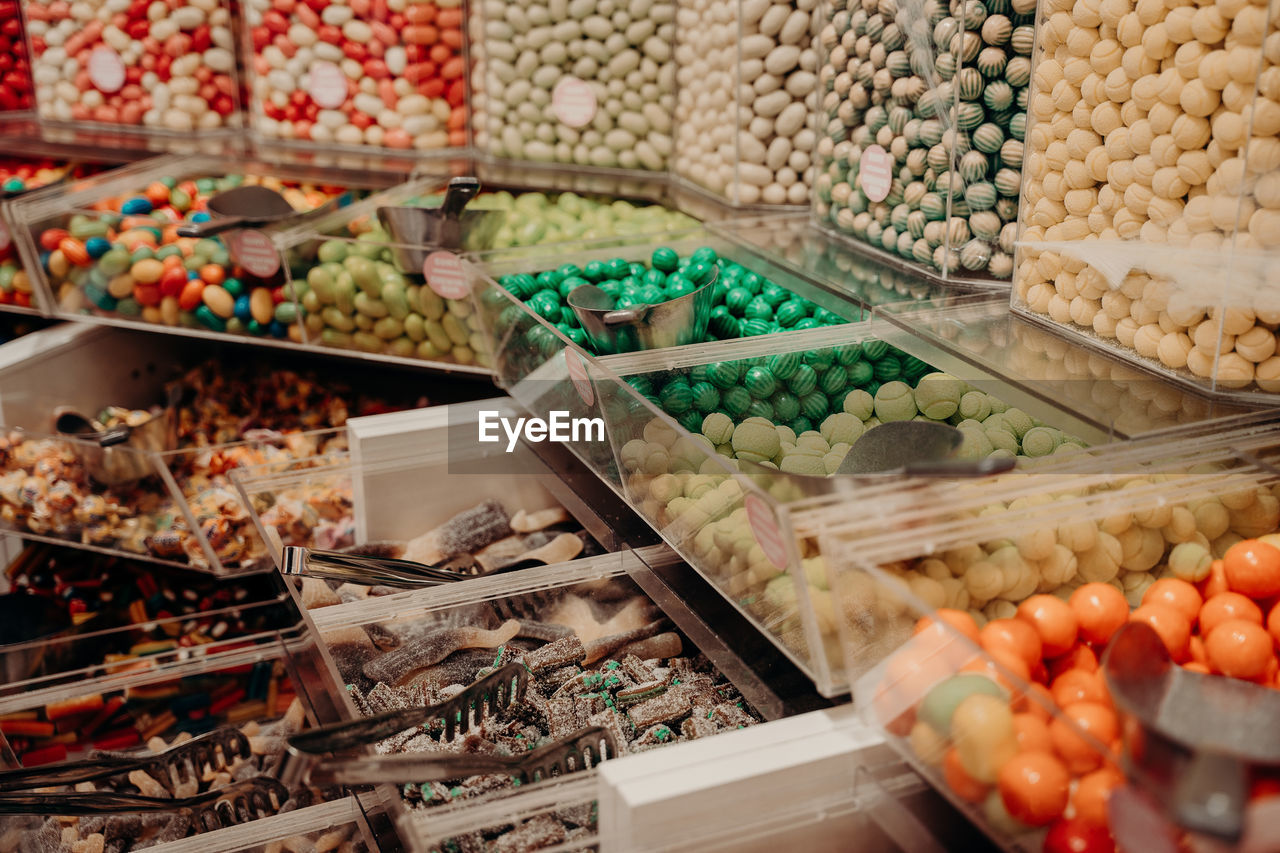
[748,84]
[466,532]
[162,66]
[380,73]
[569,82]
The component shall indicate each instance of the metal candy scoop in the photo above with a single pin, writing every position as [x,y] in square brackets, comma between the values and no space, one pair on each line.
[673,323]
[418,231]
[246,207]
[916,449]
[111,466]
[1200,734]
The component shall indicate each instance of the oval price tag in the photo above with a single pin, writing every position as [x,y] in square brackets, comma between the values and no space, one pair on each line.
[254,251]
[106,70]
[578,374]
[327,85]
[573,102]
[875,173]
[445,275]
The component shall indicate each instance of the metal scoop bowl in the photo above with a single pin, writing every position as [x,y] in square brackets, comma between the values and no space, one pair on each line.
[676,322]
[418,231]
[248,207]
[1197,735]
[120,454]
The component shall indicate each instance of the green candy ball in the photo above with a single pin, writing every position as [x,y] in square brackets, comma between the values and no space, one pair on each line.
[895,402]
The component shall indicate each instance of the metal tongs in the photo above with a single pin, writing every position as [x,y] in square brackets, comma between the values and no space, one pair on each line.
[1200,734]
[310,756]
[407,574]
[217,749]
[239,802]
[229,805]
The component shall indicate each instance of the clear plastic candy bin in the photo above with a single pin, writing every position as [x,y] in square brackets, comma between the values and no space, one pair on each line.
[107,248]
[920,132]
[1151,210]
[748,88]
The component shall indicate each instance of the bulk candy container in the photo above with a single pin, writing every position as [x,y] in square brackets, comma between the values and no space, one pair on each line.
[162,68]
[1151,210]
[747,74]
[575,83]
[372,75]
[919,152]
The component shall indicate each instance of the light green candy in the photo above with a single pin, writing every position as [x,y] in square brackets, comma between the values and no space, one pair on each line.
[1040,441]
[975,405]
[833,459]
[938,396]
[813,441]
[1019,421]
[786,434]
[870,422]
[1067,448]
[1002,453]
[665,487]
[971,424]
[976,445]
[757,439]
[1002,440]
[718,427]
[859,403]
[659,433]
[725,450]
[998,406]
[996,420]
[895,402]
[842,428]
[802,463]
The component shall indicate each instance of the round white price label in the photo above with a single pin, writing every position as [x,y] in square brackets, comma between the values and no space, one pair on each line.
[578,374]
[875,173]
[445,275]
[254,251]
[327,85]
[765,528]
[106,70]
[573,102]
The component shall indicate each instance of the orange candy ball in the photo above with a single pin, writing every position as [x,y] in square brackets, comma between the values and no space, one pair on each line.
[1174,628]
[1032,733]
[1054,621]
[1216,583]
[1034,787]
[1079,754]
[1253,568]
[1093,792]
[1012,635]
[959,780]
[1225,607]
[958,619]
[1240,648]
[1079,686]
[1100,611]
[1273,623]
[1175,593]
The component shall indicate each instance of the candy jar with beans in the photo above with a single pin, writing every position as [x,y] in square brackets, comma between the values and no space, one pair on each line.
[920,131]
[154,65]
[747,74]
[15,67]
[377,73]
[583,83]
[1151,210]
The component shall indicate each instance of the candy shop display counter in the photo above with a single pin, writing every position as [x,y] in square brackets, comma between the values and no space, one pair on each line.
[393,297]
[193,412]
[975,642]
